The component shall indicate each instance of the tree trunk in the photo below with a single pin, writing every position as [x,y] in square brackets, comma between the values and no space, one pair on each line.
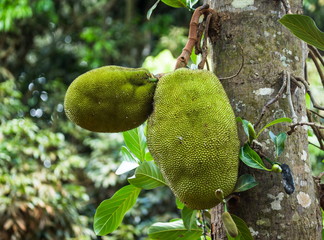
[268,49]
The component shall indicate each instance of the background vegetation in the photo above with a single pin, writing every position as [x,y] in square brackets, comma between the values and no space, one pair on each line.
[54,174]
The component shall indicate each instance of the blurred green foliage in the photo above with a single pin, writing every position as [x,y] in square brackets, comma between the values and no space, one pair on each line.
[53,174]
[315,9]
[40,197]
[316,155]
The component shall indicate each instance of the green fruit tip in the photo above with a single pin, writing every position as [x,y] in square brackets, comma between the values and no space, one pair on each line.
[276,168]
[219,195]
[229,224]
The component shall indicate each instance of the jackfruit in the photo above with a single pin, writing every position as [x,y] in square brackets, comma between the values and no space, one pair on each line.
[192,136]
[229,224]
[110,99]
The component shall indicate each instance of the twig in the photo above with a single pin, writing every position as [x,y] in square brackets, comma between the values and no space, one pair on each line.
[315,146]
[300,79]
[319,135]
[286,5]
[293,126]
[204,46]
[200,32]
[182,60]
[317,65]
[273,100]
[207,64]
[294,80]
[290,103]
[257,147]
[238,72]
[307,124]
[317,53]
[316,113]
[305,72]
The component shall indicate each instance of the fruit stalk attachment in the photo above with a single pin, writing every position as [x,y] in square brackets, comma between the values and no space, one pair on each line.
[193,36]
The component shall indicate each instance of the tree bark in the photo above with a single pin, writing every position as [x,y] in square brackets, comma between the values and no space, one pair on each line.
[269,49]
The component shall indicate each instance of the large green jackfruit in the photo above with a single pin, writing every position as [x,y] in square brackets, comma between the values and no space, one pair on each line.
[110,99]
[192,136]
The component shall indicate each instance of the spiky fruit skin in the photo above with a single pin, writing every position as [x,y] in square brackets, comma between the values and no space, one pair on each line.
[110,99]
[192,136]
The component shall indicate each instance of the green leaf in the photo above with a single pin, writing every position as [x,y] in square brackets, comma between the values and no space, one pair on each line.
[304,28]
[148,156]
[205,238]
[244,231]
[127,156]
[251,158]
[245,125]
[180,205]
[191,3]
[110,212]
[280,143]
[136,142]
[193,57]
[147,176]
[129,161]
[279,120]
[248,128]
[252,134]
[189,218]
[245,182]
[149,12]
[173,231]
[272,136]
[175,3]
[125,167]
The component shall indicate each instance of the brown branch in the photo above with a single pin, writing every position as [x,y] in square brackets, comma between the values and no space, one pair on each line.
[317,65]
[319,135]
[290,103]
[207,64]
[204,46]
[182,60]
[317,53]
[273,100]
[286,5]
[300,79]
[294,80]
[238,72]
[305,72]
[200,31]
[293,126]
[315,146]
[316,113]
[320,175]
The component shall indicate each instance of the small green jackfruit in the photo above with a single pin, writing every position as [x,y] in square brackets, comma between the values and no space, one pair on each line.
[192,136]
[110,99]
[229,224]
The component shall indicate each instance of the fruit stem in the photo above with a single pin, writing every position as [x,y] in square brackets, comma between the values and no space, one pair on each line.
[182,60]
